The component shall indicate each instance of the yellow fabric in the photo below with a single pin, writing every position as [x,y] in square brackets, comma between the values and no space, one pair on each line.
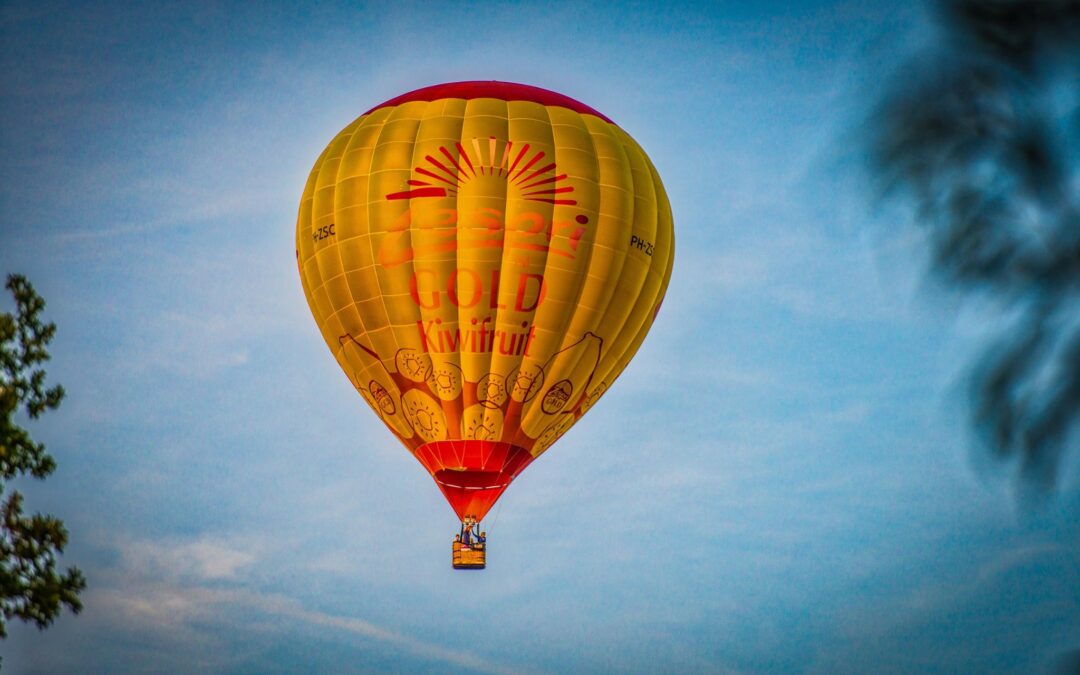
[504,307]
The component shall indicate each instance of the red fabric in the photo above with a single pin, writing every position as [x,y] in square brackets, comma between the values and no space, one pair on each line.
[507,91]
[472,474]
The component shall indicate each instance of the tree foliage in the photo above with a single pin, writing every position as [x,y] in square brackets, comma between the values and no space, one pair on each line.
[31,587]
[982,135]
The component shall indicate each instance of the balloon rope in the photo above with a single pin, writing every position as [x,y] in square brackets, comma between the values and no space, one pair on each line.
[498,510]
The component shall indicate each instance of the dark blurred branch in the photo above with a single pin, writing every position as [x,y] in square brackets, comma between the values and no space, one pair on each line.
[982,137]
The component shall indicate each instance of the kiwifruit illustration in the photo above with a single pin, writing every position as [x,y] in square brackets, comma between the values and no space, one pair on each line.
[491,390]
[413,364]
[425,414]
[526,381]
[445,380]
[481,423]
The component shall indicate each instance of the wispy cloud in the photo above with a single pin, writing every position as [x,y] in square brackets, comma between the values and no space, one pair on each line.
[285,607]
[917,608]
[203,559]
[179,592]
[193,345]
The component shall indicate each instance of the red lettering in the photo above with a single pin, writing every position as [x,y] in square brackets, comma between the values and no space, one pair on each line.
[528,222]
[452,288]
[414,290]
[523,286]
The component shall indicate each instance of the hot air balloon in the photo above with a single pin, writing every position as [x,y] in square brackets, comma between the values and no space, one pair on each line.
[483,259]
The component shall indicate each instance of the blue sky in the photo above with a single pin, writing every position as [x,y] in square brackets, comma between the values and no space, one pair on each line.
[781,481]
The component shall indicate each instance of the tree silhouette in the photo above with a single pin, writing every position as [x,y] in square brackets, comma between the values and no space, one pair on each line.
[31,588]
[982,135]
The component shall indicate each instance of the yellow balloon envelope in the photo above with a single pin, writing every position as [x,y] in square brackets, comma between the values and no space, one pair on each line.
[483,260]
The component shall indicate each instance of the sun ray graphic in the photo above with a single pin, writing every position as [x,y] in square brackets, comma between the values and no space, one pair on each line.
[533,178]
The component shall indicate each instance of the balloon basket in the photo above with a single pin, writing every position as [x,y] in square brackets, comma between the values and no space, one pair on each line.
[469,557]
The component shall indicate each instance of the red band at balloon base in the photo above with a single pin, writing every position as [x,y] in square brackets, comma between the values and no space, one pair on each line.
[472,474]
